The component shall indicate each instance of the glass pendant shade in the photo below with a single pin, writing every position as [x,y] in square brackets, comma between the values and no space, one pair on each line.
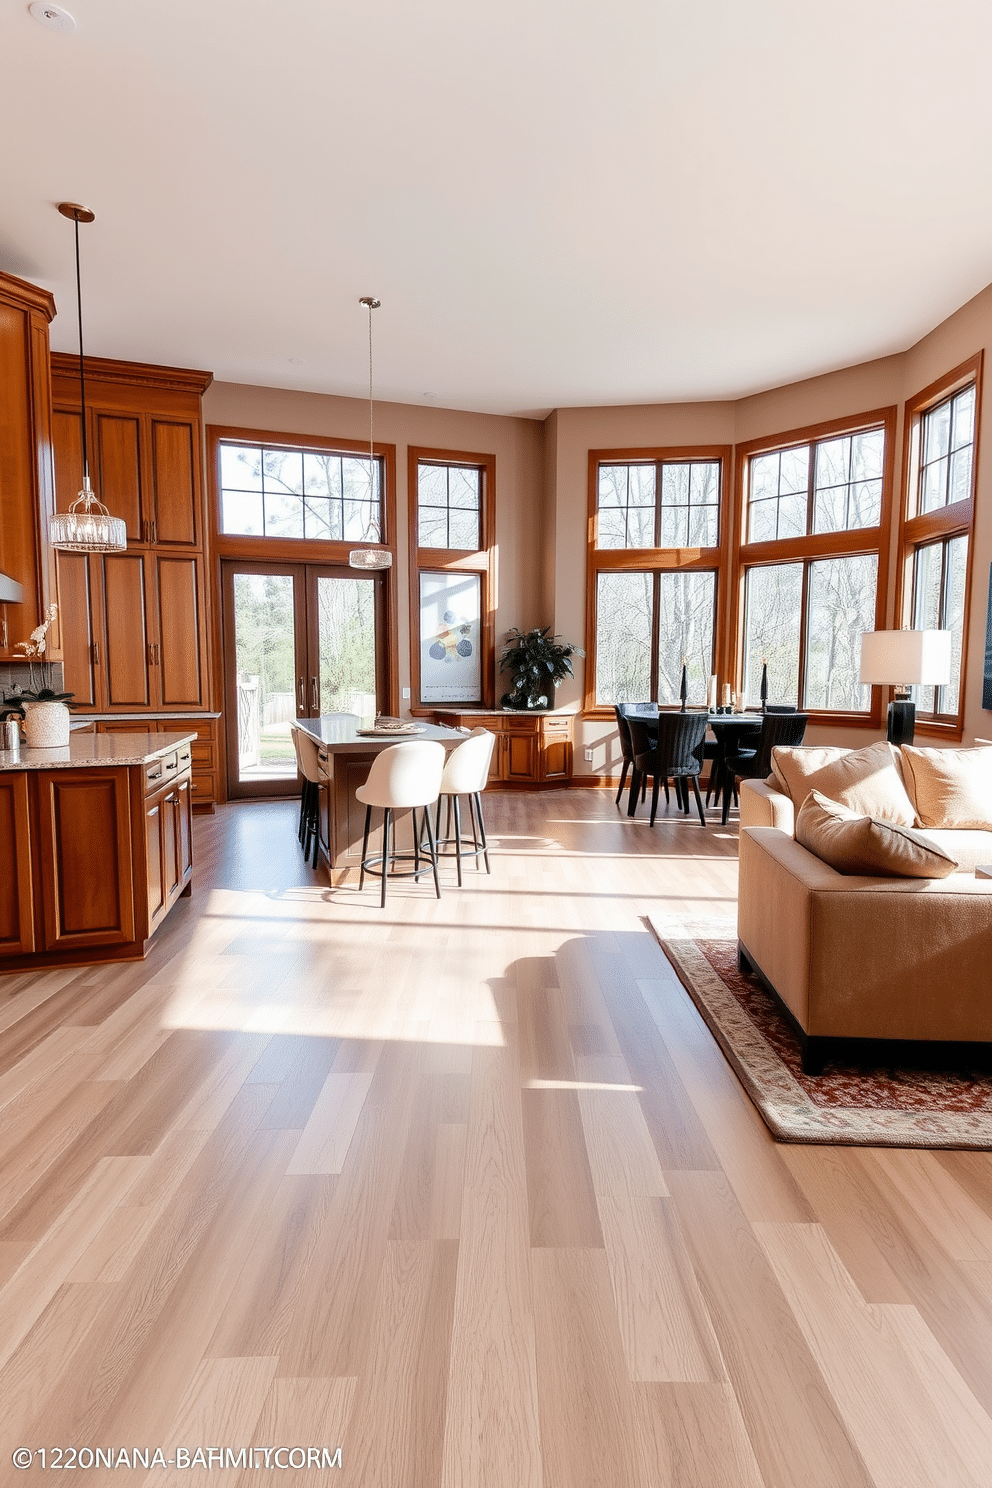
[370,558]
[87,527]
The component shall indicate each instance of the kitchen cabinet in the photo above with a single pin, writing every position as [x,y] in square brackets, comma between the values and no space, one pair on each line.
[532,750]
[99,847]
[135,625]
[25,456]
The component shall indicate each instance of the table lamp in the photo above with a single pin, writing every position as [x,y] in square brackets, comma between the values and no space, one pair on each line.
[904,659]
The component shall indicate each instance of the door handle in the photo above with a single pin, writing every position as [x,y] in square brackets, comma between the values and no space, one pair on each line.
[313,696]
[303,697]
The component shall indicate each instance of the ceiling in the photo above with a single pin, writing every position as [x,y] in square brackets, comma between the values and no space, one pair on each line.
[559,202]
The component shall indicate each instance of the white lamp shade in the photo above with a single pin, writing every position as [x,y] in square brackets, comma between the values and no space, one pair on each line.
[906,658]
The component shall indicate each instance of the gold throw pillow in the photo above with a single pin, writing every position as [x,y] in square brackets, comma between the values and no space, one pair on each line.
[864,845]
[953,787]
[866,781]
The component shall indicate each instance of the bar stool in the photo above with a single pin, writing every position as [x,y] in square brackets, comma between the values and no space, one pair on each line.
[308,759]
[466,773]
[402,776]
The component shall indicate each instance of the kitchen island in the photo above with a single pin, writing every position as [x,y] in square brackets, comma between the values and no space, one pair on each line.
[97,846]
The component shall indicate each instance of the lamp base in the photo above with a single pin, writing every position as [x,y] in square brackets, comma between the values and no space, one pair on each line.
[901,721]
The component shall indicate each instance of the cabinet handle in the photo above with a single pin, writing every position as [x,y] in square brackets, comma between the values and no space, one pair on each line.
[95,649]
[303,696]
[158,654]
[154,527]
[172,767]
[313,696]
[3,632]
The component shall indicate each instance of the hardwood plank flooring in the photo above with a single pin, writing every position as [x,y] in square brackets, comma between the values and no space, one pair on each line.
[466,1188]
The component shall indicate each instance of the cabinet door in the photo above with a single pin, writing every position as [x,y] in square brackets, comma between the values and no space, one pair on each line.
[126,639]
[85,866]
[16,899]
[174,504]
[184,831]
[155,829]
[556,750]
[80,603]
[520,755]
[24,505]
[117,472]
[180,654]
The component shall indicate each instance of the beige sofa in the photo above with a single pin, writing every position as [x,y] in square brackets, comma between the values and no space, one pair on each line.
[855,960]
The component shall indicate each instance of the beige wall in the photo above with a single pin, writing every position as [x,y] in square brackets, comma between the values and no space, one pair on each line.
[542,492]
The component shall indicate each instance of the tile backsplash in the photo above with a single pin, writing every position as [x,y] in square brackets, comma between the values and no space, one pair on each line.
[18,674]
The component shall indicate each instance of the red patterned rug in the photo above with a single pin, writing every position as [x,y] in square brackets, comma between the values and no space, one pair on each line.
[880,1107]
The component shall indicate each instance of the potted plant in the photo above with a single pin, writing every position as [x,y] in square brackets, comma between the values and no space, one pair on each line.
[537,662]
[45,711]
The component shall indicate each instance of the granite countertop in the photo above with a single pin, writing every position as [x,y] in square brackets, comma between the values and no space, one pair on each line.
[89,751]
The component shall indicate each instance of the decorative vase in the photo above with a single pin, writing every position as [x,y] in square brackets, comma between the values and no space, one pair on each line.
[46,725]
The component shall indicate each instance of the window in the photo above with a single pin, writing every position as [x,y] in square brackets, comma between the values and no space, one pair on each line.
[938,516]
[307,494]
[654,560]
[452,561]
[812,561]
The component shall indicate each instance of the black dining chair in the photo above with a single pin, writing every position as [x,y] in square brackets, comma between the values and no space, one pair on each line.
[622,711]
[672,750]
[781,708]
[755,764]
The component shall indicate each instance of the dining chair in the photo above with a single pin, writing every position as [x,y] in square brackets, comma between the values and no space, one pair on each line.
[403,776]
[756,763]
[672,749]
[466,773]
[623,711]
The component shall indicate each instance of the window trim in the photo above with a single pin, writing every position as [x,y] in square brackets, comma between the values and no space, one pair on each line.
[438,560]
[655,560]
[923,528]
[813,546]
[330,551]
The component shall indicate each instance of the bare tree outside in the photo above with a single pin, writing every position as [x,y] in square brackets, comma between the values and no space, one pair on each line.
[772,610]
[841,608]
[303,494]
[624,615]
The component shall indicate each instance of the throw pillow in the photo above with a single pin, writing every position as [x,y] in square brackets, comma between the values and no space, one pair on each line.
[865,780]
[953,787]
[862,844]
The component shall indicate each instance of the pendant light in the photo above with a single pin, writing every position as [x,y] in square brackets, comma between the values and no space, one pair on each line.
[371,557]
[87,527]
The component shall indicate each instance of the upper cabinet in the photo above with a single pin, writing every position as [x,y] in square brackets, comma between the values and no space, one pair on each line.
[135,628]
[25,455]
[144,440]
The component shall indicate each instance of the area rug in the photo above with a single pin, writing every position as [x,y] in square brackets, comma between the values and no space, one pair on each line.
[877,1107]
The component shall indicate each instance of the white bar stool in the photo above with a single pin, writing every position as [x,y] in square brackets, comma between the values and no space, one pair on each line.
[308,758]
[404,776]
[466,773]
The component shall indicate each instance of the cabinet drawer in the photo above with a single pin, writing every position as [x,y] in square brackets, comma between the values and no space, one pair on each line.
[202,787]
[203,755]
[160,771]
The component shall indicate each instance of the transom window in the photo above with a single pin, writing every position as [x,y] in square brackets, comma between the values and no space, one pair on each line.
[947,444]
[449,505]
[298,493]
[827,485]
[661,504]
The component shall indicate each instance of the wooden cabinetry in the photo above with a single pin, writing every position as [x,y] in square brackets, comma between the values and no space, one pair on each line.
[203,784]
[532,749]
[25,455]
[135,629]
[95,857]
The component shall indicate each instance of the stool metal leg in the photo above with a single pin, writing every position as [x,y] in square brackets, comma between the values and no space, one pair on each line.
[433,846]
[482,830]
[385,854]
[365,846]
[458,840]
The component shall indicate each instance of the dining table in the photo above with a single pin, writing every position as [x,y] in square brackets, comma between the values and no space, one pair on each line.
[346,748]
[729,730]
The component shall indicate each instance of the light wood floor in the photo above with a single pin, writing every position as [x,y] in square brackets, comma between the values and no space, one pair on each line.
[467,1189]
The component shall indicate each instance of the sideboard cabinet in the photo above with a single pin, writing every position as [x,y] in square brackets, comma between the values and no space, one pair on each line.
[532,749]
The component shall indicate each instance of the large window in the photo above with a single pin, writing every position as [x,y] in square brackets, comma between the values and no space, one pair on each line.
[812,556]
[654,561]
[312,494]
[452,504]
[938,513]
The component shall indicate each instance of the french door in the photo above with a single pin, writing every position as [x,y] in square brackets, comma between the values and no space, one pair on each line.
[300,639]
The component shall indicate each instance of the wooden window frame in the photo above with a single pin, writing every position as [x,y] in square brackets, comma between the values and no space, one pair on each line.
[920,529]
[813,546]
[656,560]
[441,560]
[332,552]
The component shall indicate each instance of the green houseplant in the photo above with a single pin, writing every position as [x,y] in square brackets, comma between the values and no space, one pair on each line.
[537,661]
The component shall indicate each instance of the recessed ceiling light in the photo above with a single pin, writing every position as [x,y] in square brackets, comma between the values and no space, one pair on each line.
[53,17]
[298,361]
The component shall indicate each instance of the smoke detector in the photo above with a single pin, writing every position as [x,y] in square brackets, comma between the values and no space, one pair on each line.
[52,17]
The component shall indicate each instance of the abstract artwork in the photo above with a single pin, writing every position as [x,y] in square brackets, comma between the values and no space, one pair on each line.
[450,659]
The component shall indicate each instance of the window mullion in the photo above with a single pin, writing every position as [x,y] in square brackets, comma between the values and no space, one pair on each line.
[803,627]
